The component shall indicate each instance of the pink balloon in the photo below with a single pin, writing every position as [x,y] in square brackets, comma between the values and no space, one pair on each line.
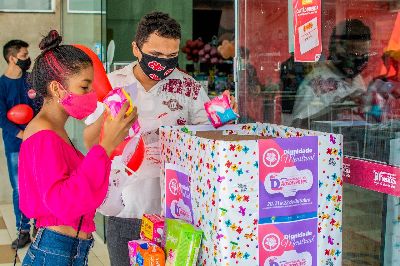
[32,94]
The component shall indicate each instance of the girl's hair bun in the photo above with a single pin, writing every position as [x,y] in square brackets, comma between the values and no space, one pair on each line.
[51,41]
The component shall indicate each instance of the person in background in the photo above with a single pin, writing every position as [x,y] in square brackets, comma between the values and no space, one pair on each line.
[164,96]
[292,75]
[252,84]
[60,187]
[335,87]
[13,91]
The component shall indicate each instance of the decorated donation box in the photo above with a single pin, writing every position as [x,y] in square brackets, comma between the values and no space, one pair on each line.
[262,194]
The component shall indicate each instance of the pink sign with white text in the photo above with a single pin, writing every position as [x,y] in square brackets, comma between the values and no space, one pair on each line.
[288,178]
[292,243]
[178,195]
[371,175]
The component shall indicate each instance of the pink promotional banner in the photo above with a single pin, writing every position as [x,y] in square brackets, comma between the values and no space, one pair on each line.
[371,175]
[178,195]
[288,179]
[307,30]
[288,201]
[288,243]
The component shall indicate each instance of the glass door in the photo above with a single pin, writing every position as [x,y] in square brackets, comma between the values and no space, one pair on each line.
[338,73]
[82,23]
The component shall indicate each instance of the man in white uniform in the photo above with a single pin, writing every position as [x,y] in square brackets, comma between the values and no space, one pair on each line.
[164,96]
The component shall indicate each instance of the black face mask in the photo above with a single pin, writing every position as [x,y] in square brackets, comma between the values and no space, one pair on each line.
[24,65]
[157,68]
[350,65]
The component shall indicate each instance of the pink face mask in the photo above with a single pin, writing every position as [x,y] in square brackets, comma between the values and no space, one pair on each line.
[80,106]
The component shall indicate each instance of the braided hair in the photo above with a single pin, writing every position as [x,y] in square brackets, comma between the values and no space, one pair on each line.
[56,63]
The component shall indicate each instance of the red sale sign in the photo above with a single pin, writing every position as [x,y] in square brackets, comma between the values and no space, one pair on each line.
[307,30]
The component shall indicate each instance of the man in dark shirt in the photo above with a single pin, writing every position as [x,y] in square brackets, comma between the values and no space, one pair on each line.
[13,91]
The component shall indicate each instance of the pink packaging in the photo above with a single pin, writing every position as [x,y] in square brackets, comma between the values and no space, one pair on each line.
[114,102]
[219,111]
[133,247]
[152,228]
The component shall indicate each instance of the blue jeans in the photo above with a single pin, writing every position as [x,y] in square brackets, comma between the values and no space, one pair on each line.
[52,248]
[12,165]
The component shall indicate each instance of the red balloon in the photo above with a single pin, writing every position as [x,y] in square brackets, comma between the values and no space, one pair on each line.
[101,84]
[20,114]
[137,158]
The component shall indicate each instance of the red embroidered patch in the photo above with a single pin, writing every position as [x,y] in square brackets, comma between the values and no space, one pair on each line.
[162,115]
[173,105]
[188,87]
[322,86]
[173,86]
[181,121]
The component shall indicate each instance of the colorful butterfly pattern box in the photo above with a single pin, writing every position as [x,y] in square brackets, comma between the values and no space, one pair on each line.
[262,194]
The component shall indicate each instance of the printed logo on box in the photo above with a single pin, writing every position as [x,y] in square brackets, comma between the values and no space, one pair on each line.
[271,157]
[180,210]
[178,197]
[174,186]
[289,181]
[147,228]
[290,258]
[271,242]
[288,244]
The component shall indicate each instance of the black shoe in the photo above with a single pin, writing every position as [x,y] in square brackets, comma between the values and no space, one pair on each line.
[24,239]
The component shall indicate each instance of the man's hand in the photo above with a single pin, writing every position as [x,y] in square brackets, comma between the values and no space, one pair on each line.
[20,134]
[232,100]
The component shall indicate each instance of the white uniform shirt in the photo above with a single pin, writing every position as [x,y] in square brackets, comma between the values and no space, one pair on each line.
[324,87]
[177,100]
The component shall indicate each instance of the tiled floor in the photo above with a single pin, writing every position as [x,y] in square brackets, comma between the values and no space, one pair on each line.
[97,257]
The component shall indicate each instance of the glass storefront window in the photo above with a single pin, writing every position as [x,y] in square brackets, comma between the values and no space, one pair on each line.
[353,89]
[89,35]
[27,6]
[78,6]
[84,25]
[123,16]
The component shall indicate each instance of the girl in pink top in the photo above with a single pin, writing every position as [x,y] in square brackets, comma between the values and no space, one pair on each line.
[59,186]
